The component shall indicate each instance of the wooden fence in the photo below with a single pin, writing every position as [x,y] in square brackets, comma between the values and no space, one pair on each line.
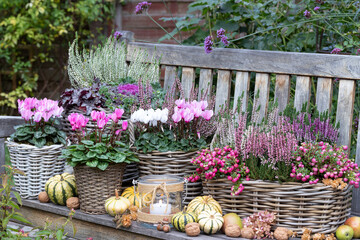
[234,68]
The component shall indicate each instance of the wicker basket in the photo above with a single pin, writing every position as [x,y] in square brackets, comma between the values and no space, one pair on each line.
[39,164]
[95,186]
[173,163]
[318,207]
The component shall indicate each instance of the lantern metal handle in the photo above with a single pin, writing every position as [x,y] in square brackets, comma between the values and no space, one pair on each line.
[186,190]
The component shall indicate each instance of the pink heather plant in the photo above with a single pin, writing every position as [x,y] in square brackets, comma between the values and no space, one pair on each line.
[316,161]
[220,163]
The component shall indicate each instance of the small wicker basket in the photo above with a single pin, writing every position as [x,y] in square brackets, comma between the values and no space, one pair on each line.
[174,163]
[94,186]
[297,205]
[39,164]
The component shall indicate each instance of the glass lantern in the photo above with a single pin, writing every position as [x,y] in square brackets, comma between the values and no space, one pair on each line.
[159,196]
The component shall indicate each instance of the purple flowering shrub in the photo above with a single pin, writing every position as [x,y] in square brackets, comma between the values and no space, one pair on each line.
[317,161]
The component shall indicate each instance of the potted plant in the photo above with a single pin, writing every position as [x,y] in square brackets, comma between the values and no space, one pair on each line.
[36,146]
[166,139]
[99,157]
[284,165]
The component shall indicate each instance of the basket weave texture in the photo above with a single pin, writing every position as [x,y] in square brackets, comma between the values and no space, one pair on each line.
[318,207]
[39,164]
[94,186]
[174,163]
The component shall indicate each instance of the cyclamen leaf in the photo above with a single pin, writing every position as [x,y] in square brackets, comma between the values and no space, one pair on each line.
[92,163]
[103,165]
[87,142]
[40,142]
[119,158]
[49,130]
[91,154]
[38,134]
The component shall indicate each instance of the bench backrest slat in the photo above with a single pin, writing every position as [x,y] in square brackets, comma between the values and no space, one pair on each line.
[222,89]
[205,83]
[242,86]
[262,86]
[282,90]
[187,80]
[302,91]
[324,92]
[169,78]
[345,109]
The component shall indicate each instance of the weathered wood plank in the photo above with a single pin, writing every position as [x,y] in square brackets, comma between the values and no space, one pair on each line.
[2,154]
[356,192]
[242,85]
[324,92]
[282,90]
[262,86]
[169,78]
[205,83]
[345,109]
[302,91]
[187,80]
[305,64]
[7,124]
[222,89]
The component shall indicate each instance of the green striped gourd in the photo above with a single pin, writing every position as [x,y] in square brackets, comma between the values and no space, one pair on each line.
[129,193]
[203,203]
[180,219]
[60,188]
[116,205]
[210,221]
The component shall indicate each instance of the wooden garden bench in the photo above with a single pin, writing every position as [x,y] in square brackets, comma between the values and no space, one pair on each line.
[234,69]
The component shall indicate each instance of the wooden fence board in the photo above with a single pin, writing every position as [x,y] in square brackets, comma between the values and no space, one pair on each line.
[242,84]
[324,91]
[262,85]
[187,80]
[302,91]
[169,78]
[222,89]
[293,63]
[282,90]
[205,83]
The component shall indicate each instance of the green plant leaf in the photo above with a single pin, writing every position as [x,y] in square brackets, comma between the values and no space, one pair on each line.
[19,217]
[38,134]
[91,154]
[102,165]
[39,142]
[49,129]
[87,142]
[92,163]
[59,234]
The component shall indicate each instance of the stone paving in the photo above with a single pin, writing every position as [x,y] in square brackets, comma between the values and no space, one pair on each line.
[30,230]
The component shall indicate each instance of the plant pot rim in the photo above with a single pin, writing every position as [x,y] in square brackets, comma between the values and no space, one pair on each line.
[10,143]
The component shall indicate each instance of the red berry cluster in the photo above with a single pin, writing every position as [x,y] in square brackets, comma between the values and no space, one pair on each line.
[220,163]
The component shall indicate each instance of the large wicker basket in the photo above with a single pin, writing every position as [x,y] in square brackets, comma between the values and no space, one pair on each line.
[173,163]
[297,205]
[39,164]
[94,186]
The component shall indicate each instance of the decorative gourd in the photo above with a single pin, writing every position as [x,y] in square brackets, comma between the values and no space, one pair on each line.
[116,205]
[60,188]
[210,221]
[203,203]
[181,219]
[129,193]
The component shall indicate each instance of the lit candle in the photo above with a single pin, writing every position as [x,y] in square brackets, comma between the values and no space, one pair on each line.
[160,209]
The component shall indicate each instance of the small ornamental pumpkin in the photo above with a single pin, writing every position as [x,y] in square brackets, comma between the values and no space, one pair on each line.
[129,193]
[210,221]
[181,219]
[60,188]
[116,205]
[203,203]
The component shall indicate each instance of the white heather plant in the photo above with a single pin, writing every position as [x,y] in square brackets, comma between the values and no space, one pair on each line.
[108,63]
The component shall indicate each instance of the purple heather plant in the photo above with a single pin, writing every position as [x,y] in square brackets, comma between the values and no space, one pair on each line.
[221,34]
[316,8]
[141,7]
[308,130]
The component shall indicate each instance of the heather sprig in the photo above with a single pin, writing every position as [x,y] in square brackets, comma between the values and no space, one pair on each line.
[220,163]
[317,161]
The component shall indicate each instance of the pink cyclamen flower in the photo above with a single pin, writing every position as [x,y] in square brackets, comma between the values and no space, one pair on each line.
[114,117]
[124,125]
[176,117]
[180,103]
[118,132]
[336,51]
[197,112]
[188,115]
[102,122]
[204,105]
[119,112]
[26,114]
[207,114]
[38,116]
[94,115]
